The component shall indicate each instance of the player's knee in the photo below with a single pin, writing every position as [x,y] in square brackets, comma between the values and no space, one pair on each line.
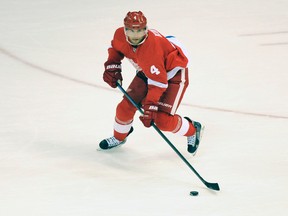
[163,121]
[125,111]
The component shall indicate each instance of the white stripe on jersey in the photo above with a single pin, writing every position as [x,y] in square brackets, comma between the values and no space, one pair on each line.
[155,83]
[172,73]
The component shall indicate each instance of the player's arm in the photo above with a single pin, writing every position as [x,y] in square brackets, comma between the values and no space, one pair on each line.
[112,67]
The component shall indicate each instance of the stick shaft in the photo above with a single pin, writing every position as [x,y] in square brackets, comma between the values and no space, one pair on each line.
[213,186]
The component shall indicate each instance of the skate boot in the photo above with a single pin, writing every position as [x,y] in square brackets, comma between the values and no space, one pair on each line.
[194,140]
[112,142]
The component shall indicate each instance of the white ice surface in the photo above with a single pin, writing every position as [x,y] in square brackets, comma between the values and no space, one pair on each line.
[55,109]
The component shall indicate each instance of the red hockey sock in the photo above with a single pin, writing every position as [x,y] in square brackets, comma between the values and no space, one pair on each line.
[191,130]
[186,128]
[121,130]
[120,136]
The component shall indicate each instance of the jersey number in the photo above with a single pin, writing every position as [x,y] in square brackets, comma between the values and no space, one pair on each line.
[154,70]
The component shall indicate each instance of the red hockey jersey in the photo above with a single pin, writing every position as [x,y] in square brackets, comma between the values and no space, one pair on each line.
[157,57]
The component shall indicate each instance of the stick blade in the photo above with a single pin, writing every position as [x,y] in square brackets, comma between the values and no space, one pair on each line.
[213,186]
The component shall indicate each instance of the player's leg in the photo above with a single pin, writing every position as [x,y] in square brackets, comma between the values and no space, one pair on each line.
[125,112]
[167,120]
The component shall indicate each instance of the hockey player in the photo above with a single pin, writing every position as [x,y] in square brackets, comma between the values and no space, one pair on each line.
[159,84]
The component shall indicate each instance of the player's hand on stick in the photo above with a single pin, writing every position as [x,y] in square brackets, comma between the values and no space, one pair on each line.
[150,114]
[112,74]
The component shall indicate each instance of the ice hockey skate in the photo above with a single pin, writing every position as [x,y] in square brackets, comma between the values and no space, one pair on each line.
[112,142]
[194,140]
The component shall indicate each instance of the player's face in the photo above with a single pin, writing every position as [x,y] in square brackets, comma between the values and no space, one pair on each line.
[136,36]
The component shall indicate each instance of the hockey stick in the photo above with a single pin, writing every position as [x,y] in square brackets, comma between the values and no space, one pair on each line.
[213,186]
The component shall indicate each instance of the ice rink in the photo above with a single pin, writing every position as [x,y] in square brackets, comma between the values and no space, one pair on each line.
[55,109]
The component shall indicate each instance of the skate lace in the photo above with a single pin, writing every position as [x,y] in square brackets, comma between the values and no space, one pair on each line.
[112,141]
[191,140]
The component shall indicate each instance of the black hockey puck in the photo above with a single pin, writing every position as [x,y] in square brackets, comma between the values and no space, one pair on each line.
[194,193]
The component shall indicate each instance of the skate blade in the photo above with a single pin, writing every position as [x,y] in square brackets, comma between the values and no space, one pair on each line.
[109,149]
